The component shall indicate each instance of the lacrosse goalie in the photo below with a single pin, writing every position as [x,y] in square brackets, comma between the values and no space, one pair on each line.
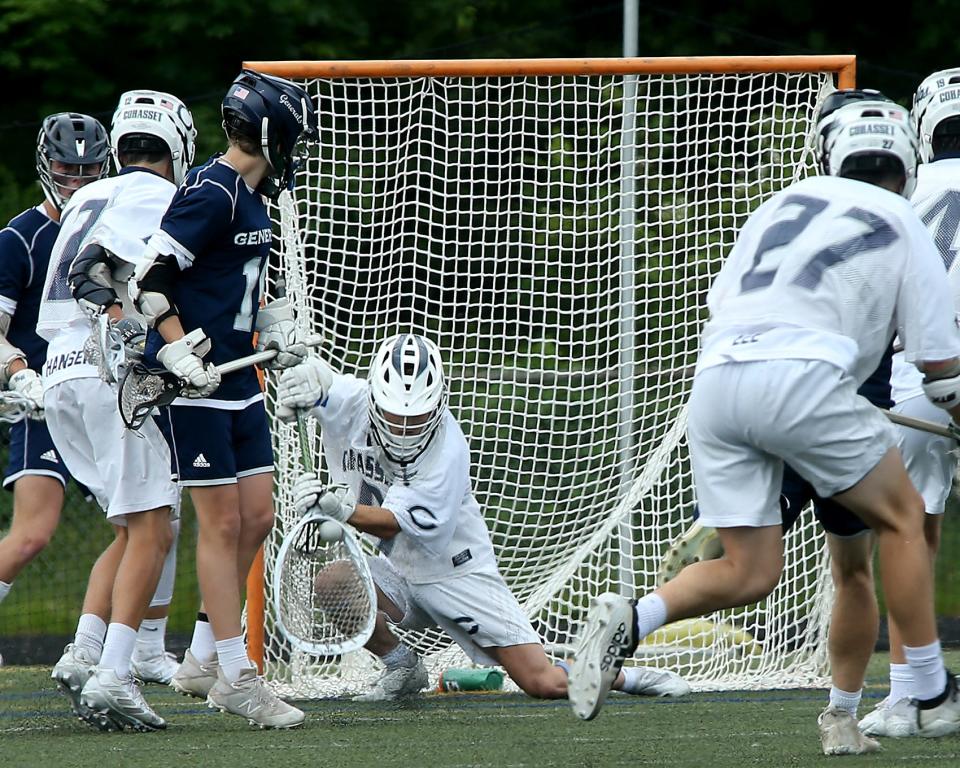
[403,465]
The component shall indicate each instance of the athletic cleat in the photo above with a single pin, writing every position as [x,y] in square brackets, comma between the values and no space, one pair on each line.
[250,697]
[608,639]
[695,544]
[193,678]
[155,669]
[114,703]
[839,734]
[396,683]
[71,673]
[895,721]
[660,682]
[940,716]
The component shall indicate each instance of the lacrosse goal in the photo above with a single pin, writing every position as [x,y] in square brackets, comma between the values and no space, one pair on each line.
[554,225]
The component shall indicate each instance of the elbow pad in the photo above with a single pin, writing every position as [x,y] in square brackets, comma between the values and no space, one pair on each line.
[944,391]
[89,279]
[151,287]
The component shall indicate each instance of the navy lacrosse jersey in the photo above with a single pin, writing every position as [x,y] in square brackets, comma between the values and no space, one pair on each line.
[220,232]
[25,246]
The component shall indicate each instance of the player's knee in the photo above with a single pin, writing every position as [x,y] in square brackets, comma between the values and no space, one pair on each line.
[31,544]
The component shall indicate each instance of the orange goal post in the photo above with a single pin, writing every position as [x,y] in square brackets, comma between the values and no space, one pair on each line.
[554,225]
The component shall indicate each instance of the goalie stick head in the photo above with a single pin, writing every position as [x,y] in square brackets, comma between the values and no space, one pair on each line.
[70,139]
[279,117]
[868,139]
[936,114]
[142,389]
[406,396]
[147,120]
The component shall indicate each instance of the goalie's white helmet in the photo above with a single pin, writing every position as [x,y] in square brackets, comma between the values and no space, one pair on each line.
[406,396]
[937,100]
[869,136]
[142,114]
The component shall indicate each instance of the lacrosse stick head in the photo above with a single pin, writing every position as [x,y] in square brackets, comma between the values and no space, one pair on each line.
[112,346]
[142,389]
[15,407]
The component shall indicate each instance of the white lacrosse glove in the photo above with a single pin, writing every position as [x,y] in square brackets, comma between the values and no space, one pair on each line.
[303,386]
[27,383]
[338,503]
[307,489]
[276,330]
[183,358]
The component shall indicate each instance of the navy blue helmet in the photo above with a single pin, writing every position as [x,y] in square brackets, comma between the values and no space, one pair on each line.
[76,140]
[277,115]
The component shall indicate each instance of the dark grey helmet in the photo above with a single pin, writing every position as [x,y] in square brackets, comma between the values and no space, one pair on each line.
[73,139]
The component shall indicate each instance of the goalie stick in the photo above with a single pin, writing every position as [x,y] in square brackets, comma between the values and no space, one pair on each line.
[324,598]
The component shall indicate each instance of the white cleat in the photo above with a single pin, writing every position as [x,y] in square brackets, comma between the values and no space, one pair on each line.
[397,683]
[693,545]
[839,734]
[71,673]
[155,669]
[895,721]
[193,678]
[659,682]
[940,716]
[250,697]
[608,638]
[114,703]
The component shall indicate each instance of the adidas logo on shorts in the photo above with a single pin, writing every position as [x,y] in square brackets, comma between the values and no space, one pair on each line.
[50,456]
[201,462]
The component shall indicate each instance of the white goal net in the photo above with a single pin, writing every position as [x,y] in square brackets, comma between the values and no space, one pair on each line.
[556,236]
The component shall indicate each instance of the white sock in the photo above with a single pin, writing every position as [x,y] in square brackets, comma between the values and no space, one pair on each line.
[150,638]
[203,645]
[118,648]
[651,614]
[846,700]
[901,683]
[4,590]
[401,656]
[232,655]
[929,674]
[91,630]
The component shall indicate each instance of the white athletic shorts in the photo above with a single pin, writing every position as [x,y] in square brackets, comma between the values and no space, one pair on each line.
[931,460]
[747,419]
[476,609]
[125,471]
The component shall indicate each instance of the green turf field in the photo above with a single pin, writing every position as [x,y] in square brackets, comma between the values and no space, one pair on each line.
[773,728]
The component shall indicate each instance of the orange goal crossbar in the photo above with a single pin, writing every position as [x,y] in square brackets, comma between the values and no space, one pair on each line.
[845,67]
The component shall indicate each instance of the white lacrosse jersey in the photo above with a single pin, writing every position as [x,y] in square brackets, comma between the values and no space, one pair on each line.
[442,531]
[936,200]
[829,269]
[119,214]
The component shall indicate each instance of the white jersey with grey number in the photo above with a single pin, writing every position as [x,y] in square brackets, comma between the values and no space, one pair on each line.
[119,214]
[829,269]
[442,531]
[937,202]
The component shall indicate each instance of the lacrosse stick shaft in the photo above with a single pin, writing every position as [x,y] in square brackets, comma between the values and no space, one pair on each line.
[305,456]
[924,426]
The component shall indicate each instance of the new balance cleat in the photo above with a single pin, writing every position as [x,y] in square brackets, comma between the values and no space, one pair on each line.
[839,734]
[114,703]
[940,716]
[608,639]
[71,673]
[397,683]
[250,697]
[154,669]
[694,544]
[658,682]
[895,721]
[193,678]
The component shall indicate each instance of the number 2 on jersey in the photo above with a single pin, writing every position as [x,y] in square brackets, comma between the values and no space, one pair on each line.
[879,234]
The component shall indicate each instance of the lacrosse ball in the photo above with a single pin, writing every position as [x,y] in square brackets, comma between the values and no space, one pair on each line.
[330,531]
